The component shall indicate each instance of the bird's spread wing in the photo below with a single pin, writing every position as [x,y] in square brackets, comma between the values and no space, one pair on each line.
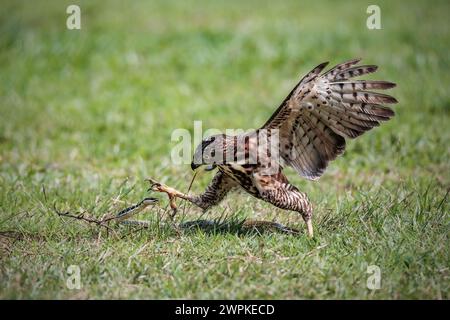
[323,110]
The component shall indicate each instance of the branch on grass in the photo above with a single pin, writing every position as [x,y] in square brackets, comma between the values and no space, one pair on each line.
[82,216]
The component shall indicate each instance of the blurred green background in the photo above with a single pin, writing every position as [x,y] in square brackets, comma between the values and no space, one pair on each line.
[87,114]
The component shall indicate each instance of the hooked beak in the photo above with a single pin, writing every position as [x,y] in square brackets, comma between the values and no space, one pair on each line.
[194,166]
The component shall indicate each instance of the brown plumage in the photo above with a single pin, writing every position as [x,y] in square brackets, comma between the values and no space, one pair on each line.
[310,127]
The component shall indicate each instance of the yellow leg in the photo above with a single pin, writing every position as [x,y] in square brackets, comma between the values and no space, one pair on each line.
[310,227]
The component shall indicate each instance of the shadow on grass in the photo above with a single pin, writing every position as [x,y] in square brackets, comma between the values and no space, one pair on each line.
[237,226]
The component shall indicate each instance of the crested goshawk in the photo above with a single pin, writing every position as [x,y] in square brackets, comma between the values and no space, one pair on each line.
[307,131]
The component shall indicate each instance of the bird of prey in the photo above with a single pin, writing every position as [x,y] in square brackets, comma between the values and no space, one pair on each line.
[311,127]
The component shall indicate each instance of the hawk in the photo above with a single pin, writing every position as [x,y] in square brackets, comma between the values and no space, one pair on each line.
[311,127]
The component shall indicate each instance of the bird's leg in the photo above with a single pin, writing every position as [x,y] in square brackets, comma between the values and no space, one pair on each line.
[309,226]
[214,193]
[290,198]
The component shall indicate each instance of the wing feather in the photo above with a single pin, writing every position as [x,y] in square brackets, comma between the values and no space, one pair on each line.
[322,110]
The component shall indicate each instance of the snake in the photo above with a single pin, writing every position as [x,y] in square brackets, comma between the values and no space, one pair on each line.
[124,216]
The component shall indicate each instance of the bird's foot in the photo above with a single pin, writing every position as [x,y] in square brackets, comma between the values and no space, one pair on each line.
[160,187]
[171,193]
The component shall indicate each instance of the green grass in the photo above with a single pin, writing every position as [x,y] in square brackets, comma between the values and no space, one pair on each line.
[87,115]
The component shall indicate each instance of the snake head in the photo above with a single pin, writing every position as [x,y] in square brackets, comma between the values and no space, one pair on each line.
[149,201]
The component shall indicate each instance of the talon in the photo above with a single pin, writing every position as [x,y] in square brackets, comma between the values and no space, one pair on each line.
[171,193]
[151,180]
[154,185]
[159,187]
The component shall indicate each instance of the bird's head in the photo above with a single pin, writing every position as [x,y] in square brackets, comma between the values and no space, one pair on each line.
[209,151]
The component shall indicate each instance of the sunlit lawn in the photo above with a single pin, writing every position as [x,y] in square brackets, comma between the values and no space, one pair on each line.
[86,115]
